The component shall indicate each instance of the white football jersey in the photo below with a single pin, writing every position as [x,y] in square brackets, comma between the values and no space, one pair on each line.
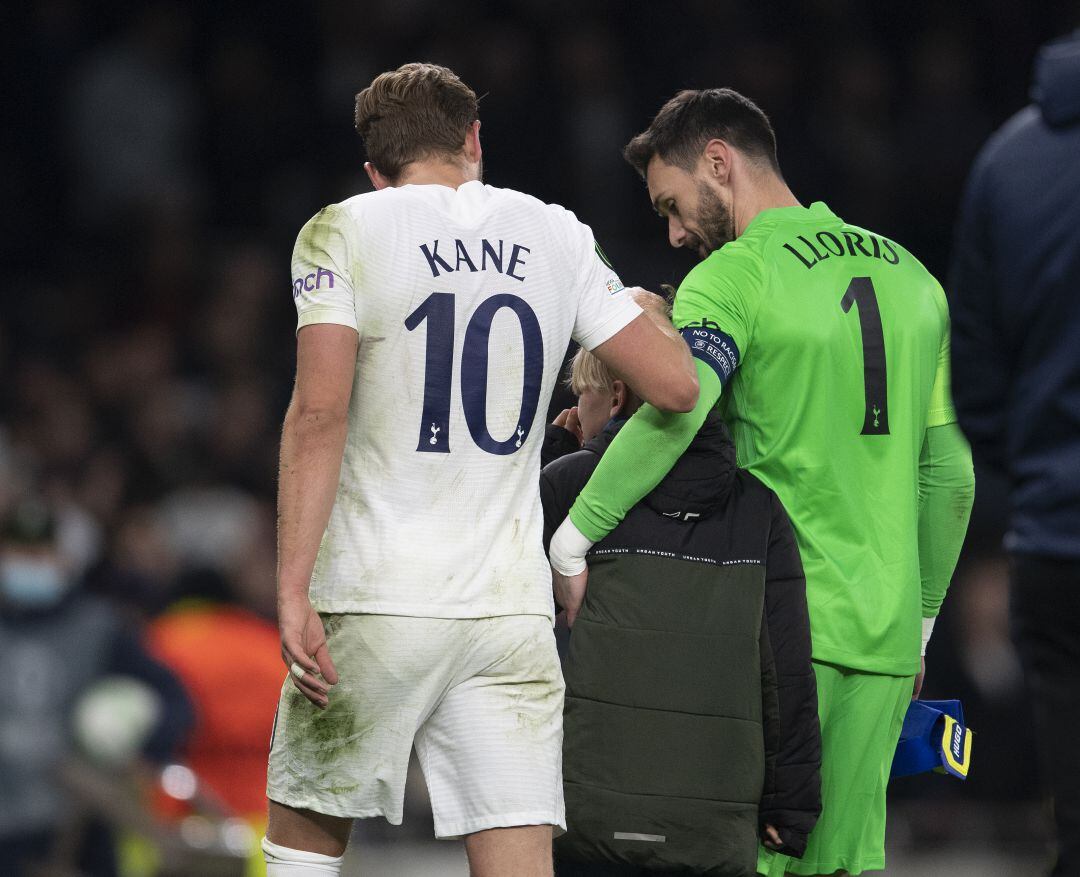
[465,301]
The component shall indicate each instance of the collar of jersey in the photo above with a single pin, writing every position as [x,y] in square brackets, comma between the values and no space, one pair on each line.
[814,213]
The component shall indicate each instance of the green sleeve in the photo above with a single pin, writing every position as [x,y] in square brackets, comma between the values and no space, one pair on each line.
[715,310]
[941,405]
[723,291]
[946,492]
[639,457]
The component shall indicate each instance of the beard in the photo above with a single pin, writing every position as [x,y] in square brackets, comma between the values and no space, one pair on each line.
[716,221]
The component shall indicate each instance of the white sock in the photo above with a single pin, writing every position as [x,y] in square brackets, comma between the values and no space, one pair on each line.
[284,862]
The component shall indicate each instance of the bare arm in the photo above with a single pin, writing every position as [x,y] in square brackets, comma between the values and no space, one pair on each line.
[312,447]
[652,358]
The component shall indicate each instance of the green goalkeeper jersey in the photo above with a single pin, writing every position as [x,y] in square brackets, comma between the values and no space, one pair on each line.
[832,343]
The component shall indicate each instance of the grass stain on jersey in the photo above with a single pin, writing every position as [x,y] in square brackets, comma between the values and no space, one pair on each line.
[323,733]
[365,352]
[539,692]
[328,552]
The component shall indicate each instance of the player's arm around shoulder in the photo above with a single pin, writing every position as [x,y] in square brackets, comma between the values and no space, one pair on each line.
[651,357]
[717,306]
[637,460]
[639,347]
[648,446]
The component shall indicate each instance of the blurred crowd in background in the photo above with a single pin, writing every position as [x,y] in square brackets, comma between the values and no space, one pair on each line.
[162,156]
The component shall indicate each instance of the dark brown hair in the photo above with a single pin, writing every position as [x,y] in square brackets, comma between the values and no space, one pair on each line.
[691,119]
[411,113]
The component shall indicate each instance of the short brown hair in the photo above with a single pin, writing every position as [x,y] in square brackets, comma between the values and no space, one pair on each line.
[692,118]
[411,113]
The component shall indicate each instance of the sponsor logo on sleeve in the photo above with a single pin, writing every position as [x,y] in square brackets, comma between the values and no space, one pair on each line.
[614,285]
[310,282]
[956,748]
[713,347]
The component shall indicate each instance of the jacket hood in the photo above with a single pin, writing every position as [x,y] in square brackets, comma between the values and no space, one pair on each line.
[1056,88]
[700,480]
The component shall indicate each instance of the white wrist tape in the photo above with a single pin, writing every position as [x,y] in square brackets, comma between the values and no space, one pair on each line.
[568,549]
[285,862]
[927,630]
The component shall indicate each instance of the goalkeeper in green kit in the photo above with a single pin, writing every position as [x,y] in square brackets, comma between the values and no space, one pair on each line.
[825,347]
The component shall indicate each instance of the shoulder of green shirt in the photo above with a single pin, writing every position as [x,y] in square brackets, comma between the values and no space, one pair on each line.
[940,299]
[737,268]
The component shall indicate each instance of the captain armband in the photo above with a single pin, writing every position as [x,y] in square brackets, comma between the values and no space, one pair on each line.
[714,348]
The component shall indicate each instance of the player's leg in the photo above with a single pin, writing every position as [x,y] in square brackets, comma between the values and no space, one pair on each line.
[1045,627]
[492,750]
[349,761]
[303,843]
[861,715]
[524,850]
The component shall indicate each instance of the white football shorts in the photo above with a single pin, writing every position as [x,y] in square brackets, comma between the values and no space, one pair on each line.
[481,699]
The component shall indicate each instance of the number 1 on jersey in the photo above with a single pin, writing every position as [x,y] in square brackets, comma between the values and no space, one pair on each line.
[861,292]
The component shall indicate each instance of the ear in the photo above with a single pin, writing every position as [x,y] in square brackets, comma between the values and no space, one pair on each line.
[718,157]
[471,146]
[618,397]
[377,179]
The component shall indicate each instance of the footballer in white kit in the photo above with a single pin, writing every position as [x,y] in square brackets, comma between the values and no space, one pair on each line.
[464,300]
[414,596]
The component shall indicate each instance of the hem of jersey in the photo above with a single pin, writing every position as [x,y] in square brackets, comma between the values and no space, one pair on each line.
[425,610]
[319,805]
[457,830]
[940,417]
[611,327]
[325,314]
[807,869]
[826,654]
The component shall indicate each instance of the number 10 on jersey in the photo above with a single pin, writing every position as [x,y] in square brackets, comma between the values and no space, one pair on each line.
[438,310]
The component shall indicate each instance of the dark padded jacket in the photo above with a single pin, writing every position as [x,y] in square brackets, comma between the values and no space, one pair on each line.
[1015,302]
[691,708]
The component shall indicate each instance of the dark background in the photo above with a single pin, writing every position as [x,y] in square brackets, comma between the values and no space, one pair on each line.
[159,159]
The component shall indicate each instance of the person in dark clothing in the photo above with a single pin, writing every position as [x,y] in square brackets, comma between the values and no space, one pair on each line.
[56,642]
[691,723]
[562,436]
[1016,383]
